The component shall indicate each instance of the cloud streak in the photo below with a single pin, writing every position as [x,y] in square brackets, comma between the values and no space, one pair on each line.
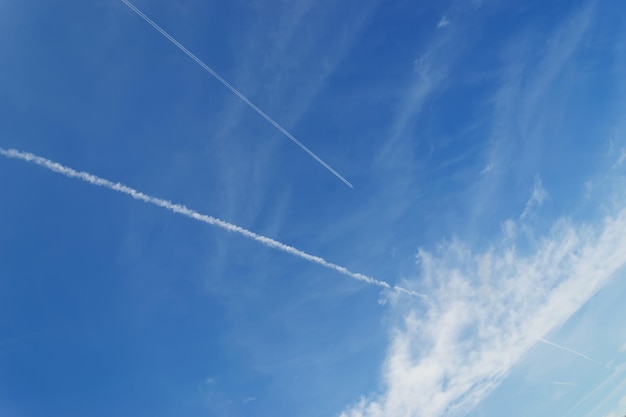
[236,92]
[192,214]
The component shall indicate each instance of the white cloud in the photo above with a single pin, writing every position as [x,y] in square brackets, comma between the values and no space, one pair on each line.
[488,310]
[429,76]
[522,103]
[537,198]
[443,22]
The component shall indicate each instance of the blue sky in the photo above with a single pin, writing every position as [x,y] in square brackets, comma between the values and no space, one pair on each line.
[485,142]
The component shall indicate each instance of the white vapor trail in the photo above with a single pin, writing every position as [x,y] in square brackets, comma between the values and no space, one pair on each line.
[181,209]
[235,91]
[572,351]
[566,384]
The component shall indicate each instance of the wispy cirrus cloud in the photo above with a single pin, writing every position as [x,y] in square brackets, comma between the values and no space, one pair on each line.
[529,89]
[491,306]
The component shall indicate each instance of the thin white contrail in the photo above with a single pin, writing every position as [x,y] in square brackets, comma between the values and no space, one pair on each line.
[566,384]
[181,209]
[572,351]
[235,91]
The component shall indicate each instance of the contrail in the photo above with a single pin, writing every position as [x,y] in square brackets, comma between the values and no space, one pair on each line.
[235,91]
[567,384]
[181,209]
[572,351]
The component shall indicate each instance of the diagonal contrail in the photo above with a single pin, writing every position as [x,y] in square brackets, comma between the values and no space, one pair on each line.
[235,91]
[572,351]
[181,209]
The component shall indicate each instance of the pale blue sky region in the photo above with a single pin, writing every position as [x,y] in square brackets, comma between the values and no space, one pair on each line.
[485,142]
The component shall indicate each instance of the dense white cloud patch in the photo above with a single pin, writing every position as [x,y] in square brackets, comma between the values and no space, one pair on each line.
[488,309]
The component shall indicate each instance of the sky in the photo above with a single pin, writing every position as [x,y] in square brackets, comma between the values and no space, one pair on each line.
[313,208]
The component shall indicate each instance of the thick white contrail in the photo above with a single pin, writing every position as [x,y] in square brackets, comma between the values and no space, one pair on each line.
[572,351]
[180,209]
[235,91]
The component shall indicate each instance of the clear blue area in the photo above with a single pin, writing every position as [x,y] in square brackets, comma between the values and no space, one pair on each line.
[443,115]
